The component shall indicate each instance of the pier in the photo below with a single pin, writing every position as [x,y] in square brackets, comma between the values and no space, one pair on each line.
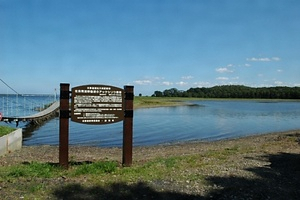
[48,113]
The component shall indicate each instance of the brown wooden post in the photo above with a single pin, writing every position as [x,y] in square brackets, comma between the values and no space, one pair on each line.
[128,126]
[64,125]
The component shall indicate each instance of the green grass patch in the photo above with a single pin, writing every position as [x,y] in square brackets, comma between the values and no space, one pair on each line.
[223,154]
[38,179]
[4,130]
[147,102]
[158,169]
[37,187]
[33,169]
[95,168]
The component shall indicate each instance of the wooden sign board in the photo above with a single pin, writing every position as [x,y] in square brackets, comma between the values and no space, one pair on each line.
[97,104]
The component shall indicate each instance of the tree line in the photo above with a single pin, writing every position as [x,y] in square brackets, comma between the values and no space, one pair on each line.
[234,91]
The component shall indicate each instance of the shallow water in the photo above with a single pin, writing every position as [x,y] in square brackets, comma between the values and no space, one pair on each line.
[204,120]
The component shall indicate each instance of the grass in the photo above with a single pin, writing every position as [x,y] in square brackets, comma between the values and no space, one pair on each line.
[159,168]
[40,179]
[95,168]
[36,179]
[148,102]
[155,167]
[32,170]
[4,130]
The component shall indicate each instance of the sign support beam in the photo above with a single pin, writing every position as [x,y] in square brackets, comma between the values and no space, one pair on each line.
[128,126]
[64,116]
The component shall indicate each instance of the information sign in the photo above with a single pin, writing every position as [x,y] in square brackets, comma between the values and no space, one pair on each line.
[97,104]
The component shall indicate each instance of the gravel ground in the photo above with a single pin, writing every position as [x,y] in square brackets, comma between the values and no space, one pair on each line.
[265,167]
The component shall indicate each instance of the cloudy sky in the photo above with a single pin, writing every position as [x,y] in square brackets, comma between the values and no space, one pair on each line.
[151,44]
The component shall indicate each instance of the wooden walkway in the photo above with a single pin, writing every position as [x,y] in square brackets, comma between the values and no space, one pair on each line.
[37,117]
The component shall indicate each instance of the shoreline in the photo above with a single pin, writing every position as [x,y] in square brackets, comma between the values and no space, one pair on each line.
[166,144]
[49,153]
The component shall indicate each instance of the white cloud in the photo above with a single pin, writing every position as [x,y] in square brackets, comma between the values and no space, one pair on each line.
[260,75]
[187,77]
[253,59]
[203,84]
[167,83]
[275,58]
[142,82]
[235,78]
[158,78]
[222,78]
[181,83]
[224,70]
[279,70]
[259,59]
[149,81]
[247,65]
[278,83]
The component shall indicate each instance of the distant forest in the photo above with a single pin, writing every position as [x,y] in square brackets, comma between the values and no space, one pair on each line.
[234,91]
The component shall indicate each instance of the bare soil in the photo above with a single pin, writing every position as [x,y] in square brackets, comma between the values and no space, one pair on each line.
[264,167]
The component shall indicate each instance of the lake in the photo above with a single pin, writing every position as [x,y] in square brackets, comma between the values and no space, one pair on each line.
[205,120]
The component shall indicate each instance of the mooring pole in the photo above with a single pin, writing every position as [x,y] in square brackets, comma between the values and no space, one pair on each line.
[128,126]
[64,125]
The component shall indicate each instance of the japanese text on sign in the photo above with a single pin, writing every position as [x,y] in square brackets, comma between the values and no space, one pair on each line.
[97,104]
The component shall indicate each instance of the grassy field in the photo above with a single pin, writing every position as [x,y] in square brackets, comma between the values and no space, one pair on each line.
[5,130]
[150,102]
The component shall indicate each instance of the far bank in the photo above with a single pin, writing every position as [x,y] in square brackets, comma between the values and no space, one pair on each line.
[152,102]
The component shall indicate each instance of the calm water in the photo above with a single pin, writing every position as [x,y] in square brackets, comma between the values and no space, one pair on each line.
[205,120]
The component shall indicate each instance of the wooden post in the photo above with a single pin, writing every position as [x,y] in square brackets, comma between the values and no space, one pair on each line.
[128,126]
[64,125]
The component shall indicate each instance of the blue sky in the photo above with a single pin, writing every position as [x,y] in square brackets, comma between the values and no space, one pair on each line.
[151,44]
